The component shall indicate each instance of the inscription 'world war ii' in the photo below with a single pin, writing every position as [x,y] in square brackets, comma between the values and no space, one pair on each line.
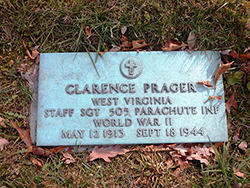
[139,98]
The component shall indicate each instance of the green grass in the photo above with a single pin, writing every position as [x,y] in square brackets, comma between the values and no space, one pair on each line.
[59,26]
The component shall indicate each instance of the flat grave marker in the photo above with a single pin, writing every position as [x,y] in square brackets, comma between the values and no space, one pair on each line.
[139,98]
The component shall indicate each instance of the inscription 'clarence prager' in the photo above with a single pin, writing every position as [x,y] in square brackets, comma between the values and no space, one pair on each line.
[105,88]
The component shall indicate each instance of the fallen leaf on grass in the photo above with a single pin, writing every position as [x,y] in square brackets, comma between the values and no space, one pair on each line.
[181,149]
[197,157]
[123,30]
[25,135]
[223,68]
[225,52]
[243,146]
[124,39]
[3,142]
[231,102]
[172,45]
[2,123]
[138,44]
[191,151]
[101,53]
[177,172]
[247,56]
[202,151]
[213,97]
[68,158]
[191,40]
[34,54]
[236,137]
[247,49]
[105,153]
[126,46]
[236,185]
[154,148]
[169,161]
[27,51]
[88,32]
[37,60]
[183,164]
[240,174]
[30,76]
[114,48]
[11,62]
[216,146]
[41,152]
[56,149]
[36,162]
[234,54]
[205,83]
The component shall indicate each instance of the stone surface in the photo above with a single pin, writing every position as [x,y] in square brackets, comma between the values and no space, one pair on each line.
[146,97]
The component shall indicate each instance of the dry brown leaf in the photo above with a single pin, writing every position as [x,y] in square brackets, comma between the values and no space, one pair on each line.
[236,137]
[30,76]
[37,60]
[2,123]
[247,49]
[216,146]
[3,142]
[247,56]
[25,135]
[124,39]
[101,53]
[154,148]
[123,30]
[88,32]
[243,146]
[27,50]
[202,151]
[177,172]
[225,52]
[35,53]
[114,48]
[191,151]
[183,164]
[213,97]
[56,149]
[126,44]
[197,157]
[105,153]
[172,45]
[231,102]
[181,149]
[191,40]
[11,62]
[68,158]
[205,83]
[240,174]
[234,54]
[30,149]
[236,185]
[41,152]
[138,44]
[223,68]
[36,162]
[169,161]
